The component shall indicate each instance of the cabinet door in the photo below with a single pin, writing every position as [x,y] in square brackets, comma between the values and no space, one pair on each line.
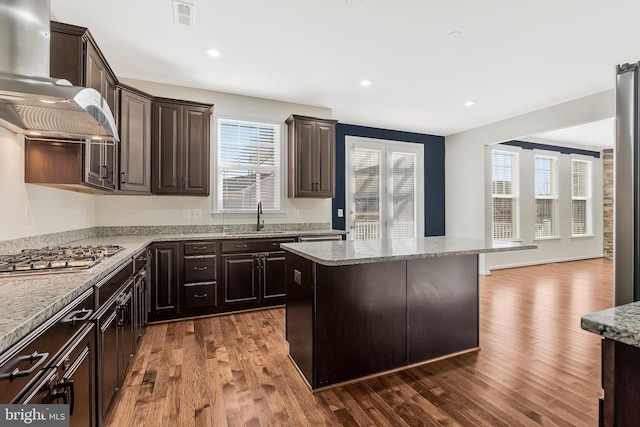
[127,342]
[109,166]
[110,94]
[95,170]
[94,69]
[239,277]
[80,371]
[107,361]
[66,56]
[273,277]
[135,142]
[195,150]
[324,160]
[167,178]
[164,280]
[304,149]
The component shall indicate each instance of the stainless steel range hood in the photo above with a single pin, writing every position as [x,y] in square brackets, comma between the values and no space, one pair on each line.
[31,102]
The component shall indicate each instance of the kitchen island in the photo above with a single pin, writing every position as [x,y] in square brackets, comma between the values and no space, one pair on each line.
[620,328]
[359,308]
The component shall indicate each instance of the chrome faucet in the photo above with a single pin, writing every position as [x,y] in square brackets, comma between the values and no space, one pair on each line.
[259,226]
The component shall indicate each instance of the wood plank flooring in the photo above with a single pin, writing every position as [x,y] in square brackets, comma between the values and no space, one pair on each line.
[535,367]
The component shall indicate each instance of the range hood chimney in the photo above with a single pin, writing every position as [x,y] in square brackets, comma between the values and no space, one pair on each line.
[32,103]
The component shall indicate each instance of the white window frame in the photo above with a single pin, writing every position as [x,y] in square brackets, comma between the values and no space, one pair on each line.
[515,195]
[556,197]
[216,205]
[588,198]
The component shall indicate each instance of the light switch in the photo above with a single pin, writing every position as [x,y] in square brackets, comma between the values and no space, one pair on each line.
[340,213]
[197,213]
[186,214]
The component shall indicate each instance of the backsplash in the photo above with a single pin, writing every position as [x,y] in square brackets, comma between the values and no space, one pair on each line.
[13,246]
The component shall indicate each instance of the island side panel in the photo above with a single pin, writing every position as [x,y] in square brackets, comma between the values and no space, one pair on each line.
[360,320]
[621,384]
[299,313]
[442,306]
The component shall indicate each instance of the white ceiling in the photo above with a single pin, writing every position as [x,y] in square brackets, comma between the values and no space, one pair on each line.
[513,56]
[593,136]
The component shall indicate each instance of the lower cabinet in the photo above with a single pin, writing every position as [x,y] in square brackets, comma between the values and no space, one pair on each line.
[165,284]
[254,278]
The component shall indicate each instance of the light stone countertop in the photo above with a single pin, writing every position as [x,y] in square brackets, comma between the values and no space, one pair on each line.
[350,252]
[621,323]
[29,300]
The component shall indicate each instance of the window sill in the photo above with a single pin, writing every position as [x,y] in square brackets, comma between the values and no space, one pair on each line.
[583,236]
[547,239]
[509,240]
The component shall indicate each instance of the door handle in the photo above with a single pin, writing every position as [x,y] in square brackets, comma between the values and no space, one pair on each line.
[123,178]
[106,171]
[72,403]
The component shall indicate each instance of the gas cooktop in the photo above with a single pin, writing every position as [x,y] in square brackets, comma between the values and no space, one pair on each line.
[59,259]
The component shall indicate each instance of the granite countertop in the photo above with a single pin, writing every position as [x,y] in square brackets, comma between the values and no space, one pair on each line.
[349,252]
[29,300]
[621,323]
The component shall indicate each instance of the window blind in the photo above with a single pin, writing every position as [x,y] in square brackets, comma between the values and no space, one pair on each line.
[546,196]
[581,197]
[366,164]
[403,190]
[505,173]
[248,165]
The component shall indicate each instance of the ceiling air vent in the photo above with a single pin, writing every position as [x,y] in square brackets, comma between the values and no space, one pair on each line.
[184,13]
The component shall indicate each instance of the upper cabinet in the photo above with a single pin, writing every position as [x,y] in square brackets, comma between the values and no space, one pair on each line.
[311,157]
[180,140]
[135,141]
[75,56]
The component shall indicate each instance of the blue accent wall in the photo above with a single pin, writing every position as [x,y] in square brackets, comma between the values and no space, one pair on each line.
[433,172]
[562,150]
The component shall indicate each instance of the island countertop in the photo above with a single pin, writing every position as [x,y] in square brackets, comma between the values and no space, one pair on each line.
[348,252]
[621,323]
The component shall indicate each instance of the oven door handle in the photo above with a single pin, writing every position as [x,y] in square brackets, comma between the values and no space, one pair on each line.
[40,357]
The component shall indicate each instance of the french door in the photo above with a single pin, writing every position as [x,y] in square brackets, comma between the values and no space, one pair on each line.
[384,189]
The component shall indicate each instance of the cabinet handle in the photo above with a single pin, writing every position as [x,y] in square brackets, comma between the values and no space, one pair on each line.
[200,296]
[276,244]
[32,357]
[242,246]
[106,171]
[123,178]
[200,268]
[85,313]
[72,397]
[199,248]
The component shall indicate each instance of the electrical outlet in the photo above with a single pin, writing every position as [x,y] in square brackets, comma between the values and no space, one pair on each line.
[186,214]
[297,277]
[296,213]
[197,213]
[340,213]
[28,218]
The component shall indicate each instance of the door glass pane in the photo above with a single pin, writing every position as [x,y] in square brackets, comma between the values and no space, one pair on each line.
[403,189]
[366,213]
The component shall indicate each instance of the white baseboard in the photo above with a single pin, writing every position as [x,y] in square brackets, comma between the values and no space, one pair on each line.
[538,262]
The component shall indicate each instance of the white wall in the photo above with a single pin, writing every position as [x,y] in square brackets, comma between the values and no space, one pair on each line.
[168,210]
[465,179]
[565,248]
[49,210]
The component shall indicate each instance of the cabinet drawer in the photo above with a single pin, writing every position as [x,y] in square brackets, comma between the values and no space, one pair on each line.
[200,296]
[262,245]
[200,268]
[200,248]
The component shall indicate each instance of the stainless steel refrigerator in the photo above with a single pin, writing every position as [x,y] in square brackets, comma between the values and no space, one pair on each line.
[627,186]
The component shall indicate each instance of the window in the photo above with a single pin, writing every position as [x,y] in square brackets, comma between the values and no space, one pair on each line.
[248,166]
[505,193]
[580,197]
[546,196]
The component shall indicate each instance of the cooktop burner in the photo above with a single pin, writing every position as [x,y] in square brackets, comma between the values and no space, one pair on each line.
[56,259]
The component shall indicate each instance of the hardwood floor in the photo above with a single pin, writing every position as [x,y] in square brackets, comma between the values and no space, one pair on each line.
[535,367]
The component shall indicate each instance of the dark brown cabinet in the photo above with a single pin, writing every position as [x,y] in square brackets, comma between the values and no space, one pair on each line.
[311,157]
[100,164]
[180,141]
[165,280]
[253,272]
[200,274]
[135,141]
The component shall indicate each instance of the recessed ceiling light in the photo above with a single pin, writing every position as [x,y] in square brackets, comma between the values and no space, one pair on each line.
[454,35]
[469,103]
[213,52]
[365,82]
